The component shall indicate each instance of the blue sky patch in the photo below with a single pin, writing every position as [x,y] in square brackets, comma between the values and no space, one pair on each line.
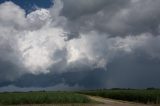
[30,5]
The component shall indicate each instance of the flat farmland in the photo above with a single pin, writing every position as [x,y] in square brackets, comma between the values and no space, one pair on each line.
[42,98]
[138,96]
[82,98]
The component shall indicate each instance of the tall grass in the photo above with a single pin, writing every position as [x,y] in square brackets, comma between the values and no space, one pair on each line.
[42,98]
[142,96]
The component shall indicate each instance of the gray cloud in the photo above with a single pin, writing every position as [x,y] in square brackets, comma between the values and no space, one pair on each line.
[116,18]
[84,43]
[75,9]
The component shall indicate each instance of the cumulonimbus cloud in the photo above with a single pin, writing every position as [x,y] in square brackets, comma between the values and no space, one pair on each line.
[57,39]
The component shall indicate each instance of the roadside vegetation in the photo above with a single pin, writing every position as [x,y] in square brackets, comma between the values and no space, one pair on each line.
[42,98]
[147,96]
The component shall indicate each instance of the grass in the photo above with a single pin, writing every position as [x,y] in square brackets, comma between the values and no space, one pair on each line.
[42,98]
[141,96]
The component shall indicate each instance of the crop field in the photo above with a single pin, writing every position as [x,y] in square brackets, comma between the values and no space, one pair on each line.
[141,96]
[42,98]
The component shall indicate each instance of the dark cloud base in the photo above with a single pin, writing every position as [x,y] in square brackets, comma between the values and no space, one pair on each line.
[124,72]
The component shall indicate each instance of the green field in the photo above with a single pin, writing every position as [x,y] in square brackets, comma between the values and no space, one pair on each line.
[42,98]
[141,96]
[19,98]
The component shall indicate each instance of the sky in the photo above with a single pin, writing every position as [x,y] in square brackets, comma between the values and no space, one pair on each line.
[79,44]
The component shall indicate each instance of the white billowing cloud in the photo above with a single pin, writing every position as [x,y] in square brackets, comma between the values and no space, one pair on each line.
[88,47]
[37,48]
[12,19]
[99,50]
[31,42]
[38,18]
[12,15]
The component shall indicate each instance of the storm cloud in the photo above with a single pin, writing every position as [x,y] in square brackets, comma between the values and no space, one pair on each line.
[85,44]
[116,18]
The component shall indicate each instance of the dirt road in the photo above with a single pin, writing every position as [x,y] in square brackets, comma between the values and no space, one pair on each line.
[109,102]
